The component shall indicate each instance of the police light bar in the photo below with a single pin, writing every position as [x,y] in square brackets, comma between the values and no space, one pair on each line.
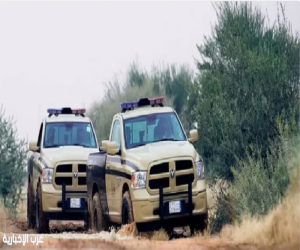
[68,111]
[157,100]
[54,111]
[78,111]
[129,105]
[142,102]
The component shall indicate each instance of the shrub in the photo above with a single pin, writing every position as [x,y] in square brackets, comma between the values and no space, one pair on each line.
[13,154]
[260,183]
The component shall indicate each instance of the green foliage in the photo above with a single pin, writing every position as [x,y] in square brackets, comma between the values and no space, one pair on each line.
[257,186]
[13,155]
[248,76]
[176,81]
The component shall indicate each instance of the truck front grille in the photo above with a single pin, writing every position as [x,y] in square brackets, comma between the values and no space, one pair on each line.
[60,180]
[73,175]
[160,175]
[156,183]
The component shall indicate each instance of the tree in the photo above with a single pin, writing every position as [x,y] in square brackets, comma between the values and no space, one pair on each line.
[247,78]
[175,81]
[13,155]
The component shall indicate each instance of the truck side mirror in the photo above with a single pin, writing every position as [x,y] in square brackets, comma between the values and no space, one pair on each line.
[193,136]
[112,148]
[33,146]
[104,145]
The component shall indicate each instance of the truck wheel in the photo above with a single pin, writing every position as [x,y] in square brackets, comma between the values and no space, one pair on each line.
[99,222]
[42,224]
[127,212]
[199,223]
[30,207]
[87,221]
[91,214]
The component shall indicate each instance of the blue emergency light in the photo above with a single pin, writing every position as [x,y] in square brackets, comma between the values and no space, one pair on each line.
[68,111]
[128,105]
[54,111]
[158,101]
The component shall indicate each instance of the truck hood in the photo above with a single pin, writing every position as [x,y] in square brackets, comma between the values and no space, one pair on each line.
[144,155]
[68,153]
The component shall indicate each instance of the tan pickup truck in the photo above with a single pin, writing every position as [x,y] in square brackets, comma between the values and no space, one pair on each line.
[57,169]
[148,172]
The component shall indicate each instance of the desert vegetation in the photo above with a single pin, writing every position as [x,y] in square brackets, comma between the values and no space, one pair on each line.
[244,98]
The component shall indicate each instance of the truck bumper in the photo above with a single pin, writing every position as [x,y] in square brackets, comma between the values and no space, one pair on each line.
[154,214]
[57,203]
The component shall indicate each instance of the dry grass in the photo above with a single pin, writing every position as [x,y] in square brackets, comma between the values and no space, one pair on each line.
[160,235]
[2,219]
[280,226]
[213,191]
[128,230]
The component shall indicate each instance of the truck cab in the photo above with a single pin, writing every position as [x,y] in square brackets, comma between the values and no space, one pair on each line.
[147,172]
[56,169]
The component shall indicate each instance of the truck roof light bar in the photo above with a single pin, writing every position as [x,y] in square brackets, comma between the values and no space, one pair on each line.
[66,111]
[158,101]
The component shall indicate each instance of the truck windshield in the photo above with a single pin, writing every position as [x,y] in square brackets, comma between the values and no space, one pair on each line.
[151,128]
[68,134]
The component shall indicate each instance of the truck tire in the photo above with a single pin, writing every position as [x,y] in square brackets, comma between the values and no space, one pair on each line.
[42,224]
[30,207]
[127,211]
[199,223]
[99,223]
[87,221]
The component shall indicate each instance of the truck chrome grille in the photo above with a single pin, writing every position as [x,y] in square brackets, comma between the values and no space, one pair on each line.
[64,173]
[160,175]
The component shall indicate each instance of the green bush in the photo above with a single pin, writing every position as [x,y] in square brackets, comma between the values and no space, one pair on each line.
[259,183]
[13,155]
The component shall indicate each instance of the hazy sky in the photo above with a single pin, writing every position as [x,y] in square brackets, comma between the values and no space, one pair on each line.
[55,54]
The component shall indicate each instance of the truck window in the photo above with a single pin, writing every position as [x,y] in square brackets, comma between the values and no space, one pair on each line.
[116,134]
[68,134]
[148,128]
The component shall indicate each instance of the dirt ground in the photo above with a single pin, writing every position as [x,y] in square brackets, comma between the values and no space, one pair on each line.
[71,235]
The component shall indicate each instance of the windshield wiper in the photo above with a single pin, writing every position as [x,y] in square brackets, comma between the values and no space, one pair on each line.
[82,145]
[138,145]
[166,139]
[53,146]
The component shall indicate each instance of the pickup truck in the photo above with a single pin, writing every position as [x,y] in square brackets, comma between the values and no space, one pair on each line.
[148,172]
[56,170]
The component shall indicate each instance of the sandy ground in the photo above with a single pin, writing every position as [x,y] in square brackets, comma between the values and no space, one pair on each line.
[71,235]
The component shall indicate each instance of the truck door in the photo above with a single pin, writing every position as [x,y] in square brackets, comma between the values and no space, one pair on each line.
[113,165]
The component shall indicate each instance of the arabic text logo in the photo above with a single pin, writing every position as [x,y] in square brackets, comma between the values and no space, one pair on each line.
[9,240]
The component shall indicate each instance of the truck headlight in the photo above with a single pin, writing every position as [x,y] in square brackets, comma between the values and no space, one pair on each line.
[138,179]
[47,175]
[200,170]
